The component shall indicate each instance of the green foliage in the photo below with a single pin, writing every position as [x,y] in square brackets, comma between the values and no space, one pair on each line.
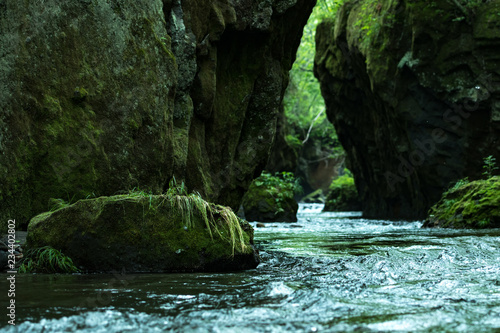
[58,203]
[176,189]
[458,184]
[469,204]
[326,9]
[489,166]
[467,8]
[344,181]
[47,260]
[374,15]
[55,204]
[279,187]
[484,223]
[236,235]
[369,22]
[293,141]
[343,194]
[346,172]
[282,181]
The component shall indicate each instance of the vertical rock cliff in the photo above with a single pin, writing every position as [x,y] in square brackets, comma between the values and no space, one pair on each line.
[98,96]
[413,89]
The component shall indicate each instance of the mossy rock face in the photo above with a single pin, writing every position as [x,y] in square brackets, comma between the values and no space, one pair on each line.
[343,196]
[410,86]
[86,96]
[234,58]
[147,234]
[474,205]
[102,96]
[269,204]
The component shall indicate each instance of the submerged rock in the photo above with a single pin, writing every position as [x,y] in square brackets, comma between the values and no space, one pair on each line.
[471,205]
[139,233]
[412,89]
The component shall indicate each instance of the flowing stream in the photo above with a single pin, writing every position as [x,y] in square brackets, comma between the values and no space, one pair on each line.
[330,272]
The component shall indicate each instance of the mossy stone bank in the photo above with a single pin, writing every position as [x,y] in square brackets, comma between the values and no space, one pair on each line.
[147,233]
[473,205]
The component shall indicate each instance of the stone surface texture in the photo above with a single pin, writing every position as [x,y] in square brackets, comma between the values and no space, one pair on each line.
[413,89]
[99,96]
[138,233]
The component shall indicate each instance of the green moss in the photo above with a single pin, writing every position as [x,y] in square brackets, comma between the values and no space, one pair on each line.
[469,205]
[93,114]
[152,232]
[52,106]
[68,143]
[163,42]
[343,195]
[487,21]
[271,198]
[80,94]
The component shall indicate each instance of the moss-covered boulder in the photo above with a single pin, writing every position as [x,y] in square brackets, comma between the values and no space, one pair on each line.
[147,233]
[271,199]
[468,205]
[343,196]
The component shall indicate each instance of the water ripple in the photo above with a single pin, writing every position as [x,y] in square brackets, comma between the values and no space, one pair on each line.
[337,272]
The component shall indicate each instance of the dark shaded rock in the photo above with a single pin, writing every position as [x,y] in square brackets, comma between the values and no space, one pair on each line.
[283,155]
[412,88]
[98,97]
[471,205]
[86,94]
[265,209]
[147,234]
[225,119]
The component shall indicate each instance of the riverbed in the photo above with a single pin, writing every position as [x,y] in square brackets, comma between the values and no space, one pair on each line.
[329,272]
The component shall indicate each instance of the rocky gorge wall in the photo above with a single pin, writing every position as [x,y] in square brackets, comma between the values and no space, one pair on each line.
[413,89]
[99,96]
